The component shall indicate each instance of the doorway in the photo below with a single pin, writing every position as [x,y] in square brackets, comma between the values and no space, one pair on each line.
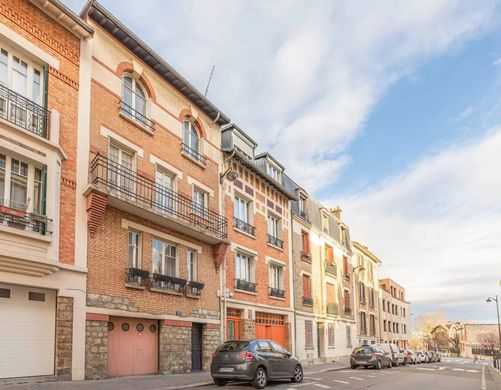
[196,347]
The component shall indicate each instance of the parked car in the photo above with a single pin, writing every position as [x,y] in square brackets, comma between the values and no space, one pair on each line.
[429,356]
[410,357]
[256,361]
[439,357]
[421,357]
[433,356]
[393,350]
[370,356]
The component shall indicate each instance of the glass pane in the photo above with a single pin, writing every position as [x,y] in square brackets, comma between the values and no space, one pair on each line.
[140,106]
[139,91]
[36,85]
[3,66]
[19,76]
[18,192]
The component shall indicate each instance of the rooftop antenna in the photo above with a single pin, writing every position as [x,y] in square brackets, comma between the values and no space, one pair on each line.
[210,79]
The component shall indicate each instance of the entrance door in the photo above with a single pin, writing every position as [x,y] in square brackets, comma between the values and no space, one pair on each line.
[132,346]
[270,326]
[196,347]
[233,324]
[320,339]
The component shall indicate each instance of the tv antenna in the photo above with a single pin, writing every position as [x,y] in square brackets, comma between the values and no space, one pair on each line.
[210,79]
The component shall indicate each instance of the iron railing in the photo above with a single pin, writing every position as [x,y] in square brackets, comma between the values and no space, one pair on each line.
[346,276]
[16,109]
[332,308]
[305,257]
[275,241]
[26,221]
[347,311]
[137,116]
[245,285]
[137,276]
[168,283]
[126,184]
[330,268]
[304,215]
[307,301]
[194,288]
[276,292]
[244,226]
[193,154]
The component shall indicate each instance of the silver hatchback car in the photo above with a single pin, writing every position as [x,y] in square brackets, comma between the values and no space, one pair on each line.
[257,361]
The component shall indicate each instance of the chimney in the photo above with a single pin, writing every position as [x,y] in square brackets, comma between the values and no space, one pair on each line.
[337,212]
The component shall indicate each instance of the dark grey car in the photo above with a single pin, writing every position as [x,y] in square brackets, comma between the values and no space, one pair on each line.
[257,361]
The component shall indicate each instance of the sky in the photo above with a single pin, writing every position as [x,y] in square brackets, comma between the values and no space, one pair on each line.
[391,110]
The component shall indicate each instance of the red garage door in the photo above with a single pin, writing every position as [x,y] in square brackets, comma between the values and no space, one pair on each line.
[270,326]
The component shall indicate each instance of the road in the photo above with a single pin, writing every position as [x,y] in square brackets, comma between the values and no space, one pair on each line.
[450,374]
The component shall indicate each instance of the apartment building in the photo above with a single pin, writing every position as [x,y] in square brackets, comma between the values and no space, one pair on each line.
[367,305]
[42,279]
[257,278]
[157,234]
[325,323]
[395,314]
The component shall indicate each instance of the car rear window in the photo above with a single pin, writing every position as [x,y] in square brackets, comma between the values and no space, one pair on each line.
[365,350]
[230,346]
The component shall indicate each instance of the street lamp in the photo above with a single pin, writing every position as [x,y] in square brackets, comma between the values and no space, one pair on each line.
[358,267]
[490,299]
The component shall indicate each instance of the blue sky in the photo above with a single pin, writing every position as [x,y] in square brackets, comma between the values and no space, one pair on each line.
[390,110]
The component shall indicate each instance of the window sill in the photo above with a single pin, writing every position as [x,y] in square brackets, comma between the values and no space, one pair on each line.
[159,290]
[309,348]
[193,159]
[135,286]
[276,298]
[244,233]
[245,291]
[276,247]
[25,233]
[139,125]
[193,296]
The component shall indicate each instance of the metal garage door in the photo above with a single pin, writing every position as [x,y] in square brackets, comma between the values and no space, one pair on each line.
[270,326]
[132,346]
[27,331]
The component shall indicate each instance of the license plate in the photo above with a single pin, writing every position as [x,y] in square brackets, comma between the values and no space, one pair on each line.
[226,369]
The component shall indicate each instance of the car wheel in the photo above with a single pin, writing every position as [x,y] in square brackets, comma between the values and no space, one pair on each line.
[219,381]
[298,375]
[354,367]
[260,378]
[379,366]
[390,364]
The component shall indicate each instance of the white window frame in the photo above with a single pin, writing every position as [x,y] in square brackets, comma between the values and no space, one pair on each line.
[134,96]
[192,265]
[136,260]
[273,171]
[163,245]
[276,275]
[277,228]
[118,180]
[166,200]
[325,221]
[240,202]
[191,131]
[197,209]
[248,271]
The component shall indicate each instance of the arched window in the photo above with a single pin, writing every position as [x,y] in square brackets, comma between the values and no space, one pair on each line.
[134,98]
[191,139]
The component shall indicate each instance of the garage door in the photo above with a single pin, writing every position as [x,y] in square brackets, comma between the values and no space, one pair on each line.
[27,331]
[132,346]
[270,326]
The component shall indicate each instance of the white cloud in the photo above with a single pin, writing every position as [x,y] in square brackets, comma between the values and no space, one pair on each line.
[437,227]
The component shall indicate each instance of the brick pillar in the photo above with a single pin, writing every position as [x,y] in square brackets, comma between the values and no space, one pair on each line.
[175,347]
[96,346]
[288,336]
[64,337]
[211,338]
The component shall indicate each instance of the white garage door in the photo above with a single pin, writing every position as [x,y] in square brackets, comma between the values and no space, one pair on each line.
[27,331]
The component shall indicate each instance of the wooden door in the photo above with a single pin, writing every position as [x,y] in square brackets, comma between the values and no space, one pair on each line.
[196,347]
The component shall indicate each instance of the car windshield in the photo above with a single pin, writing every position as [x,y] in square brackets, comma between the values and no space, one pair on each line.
[364,350]
[231,346]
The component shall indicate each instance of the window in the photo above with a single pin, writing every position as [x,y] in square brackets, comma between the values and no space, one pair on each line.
[384,325]
[308,334]
[19,76]
[273,171]
[329,254]
[244,267]
[325,221]
[363,323]
[134,98]
[278,348]
[346,298]
[371,298]
[134,250]
[164,191]
[305,243]
[403,312]
[348,336]
[330,335]
[384,305]
[191,140]
[302,207]
[276,276]
[199,202]
[344,236]
[371,272]
[345,265]
[331,293]
[19,185]
[263,346]
[164,258]
[122,171]
[372,324]
[362,293]
[388,306]
[241,209]
[273,226]
[191,265]
[306,286]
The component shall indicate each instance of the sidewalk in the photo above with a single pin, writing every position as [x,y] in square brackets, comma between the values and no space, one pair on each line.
[154,382]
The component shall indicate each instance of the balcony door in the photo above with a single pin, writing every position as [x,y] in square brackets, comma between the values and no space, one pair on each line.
[164,194]
[122,172]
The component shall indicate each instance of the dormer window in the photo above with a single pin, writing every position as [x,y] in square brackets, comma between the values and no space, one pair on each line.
[273,171]
[134,101]
[303,206]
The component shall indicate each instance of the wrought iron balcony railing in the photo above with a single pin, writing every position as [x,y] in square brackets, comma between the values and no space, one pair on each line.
[137,276]
[16,109]
[276,292]
[305,257]
[347,311]
[332,308]
[194,154]
[168,283]
[275,241]
[194,288]
[303,214]
[128,185]
[20,219]
[245,285]
[346,276]
[330,268]
[244,226]
[136,116]
[308,301]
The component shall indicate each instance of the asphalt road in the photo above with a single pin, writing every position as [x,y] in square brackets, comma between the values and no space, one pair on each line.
[451,374]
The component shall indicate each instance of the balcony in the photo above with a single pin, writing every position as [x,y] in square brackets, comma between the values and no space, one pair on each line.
[136,194]
[304,215]
[330,268]
[20,219]
[332,308]
[346,276]
[137,277]
[244,226]
[136,116]
[167,283]
[276,292]
[24,113]
[275,241]
[347,311]
[193,288]
[307,301]
[193,154]
[305,257]
[245,285]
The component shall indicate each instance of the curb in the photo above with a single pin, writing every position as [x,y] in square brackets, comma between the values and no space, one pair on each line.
[327,370]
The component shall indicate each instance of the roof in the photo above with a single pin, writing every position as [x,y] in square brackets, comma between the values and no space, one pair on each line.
[230,126]
[65,17]
[367,252]
[268,155]
[122,34]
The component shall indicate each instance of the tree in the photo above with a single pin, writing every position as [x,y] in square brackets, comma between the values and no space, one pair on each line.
[426,322]
[455,342]
[487,340]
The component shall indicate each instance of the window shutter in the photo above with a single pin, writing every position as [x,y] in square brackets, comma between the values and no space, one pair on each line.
[45,97]
[43,192]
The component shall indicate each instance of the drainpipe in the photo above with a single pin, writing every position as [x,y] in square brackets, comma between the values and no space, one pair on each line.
[292,293]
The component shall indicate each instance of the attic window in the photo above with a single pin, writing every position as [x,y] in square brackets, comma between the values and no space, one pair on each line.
[273,171]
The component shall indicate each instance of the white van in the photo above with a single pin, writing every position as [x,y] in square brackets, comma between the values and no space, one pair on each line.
[397,357]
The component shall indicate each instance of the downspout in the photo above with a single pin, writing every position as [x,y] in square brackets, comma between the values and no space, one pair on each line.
[293,292]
